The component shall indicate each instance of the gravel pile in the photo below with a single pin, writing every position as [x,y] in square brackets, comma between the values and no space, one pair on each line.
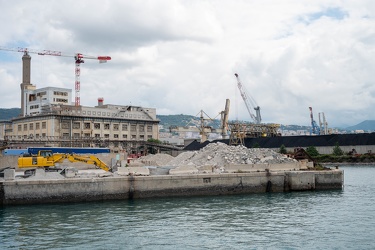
[220,155]
[156,160]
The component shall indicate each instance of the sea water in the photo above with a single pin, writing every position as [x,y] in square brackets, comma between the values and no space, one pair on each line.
[337,219]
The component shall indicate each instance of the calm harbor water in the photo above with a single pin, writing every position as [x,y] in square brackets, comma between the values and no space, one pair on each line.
[340,219]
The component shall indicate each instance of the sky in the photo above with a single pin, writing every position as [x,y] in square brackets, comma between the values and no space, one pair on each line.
[180,56]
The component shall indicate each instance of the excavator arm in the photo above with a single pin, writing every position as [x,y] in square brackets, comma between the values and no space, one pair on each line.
[89,160]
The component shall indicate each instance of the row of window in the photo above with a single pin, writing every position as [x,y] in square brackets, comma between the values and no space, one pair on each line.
[88,125]
[60,100]
[122,114]
[107,126]
[86,135]
[60,93]
[30,126]
[106,136]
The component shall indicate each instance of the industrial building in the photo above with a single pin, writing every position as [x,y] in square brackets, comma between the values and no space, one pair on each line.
[49,118]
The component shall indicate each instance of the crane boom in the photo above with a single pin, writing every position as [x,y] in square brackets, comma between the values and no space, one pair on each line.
[78,60]
[314,127]
[249,101]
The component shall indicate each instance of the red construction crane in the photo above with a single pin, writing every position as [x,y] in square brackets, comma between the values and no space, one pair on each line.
[78,57]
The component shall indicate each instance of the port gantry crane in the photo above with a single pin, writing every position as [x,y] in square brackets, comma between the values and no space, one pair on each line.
[78,57]
[314,127]
[249,101]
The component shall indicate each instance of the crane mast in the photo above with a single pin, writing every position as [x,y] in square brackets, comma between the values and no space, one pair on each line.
[314,127]
[249,101]
[78,57]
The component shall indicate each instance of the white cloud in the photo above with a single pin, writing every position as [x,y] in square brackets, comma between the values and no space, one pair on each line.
[181,56]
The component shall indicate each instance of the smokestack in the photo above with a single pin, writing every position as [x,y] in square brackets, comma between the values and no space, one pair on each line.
[100,101]
[26,76]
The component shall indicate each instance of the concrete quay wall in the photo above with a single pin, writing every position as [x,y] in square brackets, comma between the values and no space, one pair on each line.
[25,191]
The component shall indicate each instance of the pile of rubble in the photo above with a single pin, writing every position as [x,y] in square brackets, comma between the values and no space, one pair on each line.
[214,158]
[220,155]
[155,160]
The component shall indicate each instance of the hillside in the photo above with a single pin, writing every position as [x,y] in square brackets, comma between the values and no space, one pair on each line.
[368,125]
[8,114]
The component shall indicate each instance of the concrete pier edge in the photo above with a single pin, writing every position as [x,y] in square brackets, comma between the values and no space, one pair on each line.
[23,191]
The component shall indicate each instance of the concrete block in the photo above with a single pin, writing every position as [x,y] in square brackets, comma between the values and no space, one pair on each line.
[123,171]
[292,166]
[246,168]
[207,169]
[133,171]
[299,181]
[183,170]
[40,172]
[9,174]
[70,172]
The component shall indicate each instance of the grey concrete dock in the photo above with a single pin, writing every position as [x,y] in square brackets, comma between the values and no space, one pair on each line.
[33,191]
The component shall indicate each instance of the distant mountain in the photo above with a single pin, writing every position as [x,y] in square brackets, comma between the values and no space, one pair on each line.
[8,114]
[368,125]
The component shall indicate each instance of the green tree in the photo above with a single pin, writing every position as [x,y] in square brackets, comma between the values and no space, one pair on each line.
[282,149]
[154,140]
[312,151]
[337,150]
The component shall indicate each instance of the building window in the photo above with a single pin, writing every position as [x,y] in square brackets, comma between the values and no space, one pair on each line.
[97,135]
[124,136]
[76,125]
[76,135]
[141,128]
[133,128]
[134,137]
[142,137]
[149,128]
[37,136]
[106,126]
[31,126]
[87,125]
[124,127]
[19,128]
[99,113]
[106,135]
[115,127]
[149,137]
[89,112]
[44,125]
[65,125]
[115,135]
[96,125]
[43,135]
[65,135]
[87,135]
[24,127]
[37,125]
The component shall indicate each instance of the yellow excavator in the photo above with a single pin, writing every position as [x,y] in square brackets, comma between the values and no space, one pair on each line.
[46,159]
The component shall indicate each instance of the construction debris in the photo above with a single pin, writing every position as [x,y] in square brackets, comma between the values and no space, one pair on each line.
[221,155]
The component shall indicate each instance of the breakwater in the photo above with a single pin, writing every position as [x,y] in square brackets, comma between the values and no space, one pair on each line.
[24,191]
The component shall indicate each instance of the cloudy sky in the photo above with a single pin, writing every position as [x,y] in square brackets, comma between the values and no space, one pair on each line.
[180,56]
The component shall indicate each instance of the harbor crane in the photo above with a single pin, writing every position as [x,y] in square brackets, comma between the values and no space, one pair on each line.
[314,127]
[78,57]
[249,101]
